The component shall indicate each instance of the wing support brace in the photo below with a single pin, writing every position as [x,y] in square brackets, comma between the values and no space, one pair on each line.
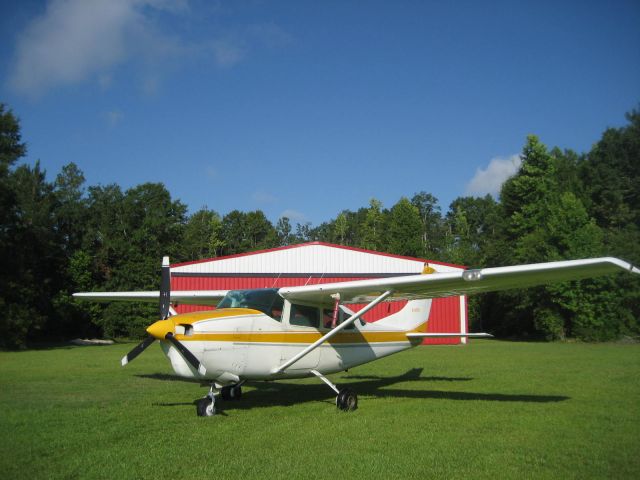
[330,334]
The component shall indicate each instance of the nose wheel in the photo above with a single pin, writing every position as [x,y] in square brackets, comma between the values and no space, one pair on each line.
[205,407]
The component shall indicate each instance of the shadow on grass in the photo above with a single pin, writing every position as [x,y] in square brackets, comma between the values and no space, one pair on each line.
[281,393]
[170,378]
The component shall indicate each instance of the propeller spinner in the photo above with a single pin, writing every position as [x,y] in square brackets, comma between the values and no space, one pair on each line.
[164,328]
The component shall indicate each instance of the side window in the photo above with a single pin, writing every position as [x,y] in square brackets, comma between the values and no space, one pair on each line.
[304,316]
[327,318]
[277,308]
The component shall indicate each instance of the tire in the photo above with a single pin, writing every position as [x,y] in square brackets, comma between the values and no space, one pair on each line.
[347,400]
[236,392]
[205,407]
[225,393]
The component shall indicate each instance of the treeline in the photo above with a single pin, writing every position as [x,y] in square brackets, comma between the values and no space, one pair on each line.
[60,236]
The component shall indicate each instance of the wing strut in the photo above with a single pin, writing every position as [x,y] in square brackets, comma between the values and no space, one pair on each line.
[326,337]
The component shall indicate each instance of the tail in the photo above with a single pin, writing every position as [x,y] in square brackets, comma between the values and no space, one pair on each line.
[412,318]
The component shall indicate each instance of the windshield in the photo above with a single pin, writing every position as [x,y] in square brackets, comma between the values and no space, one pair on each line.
[266,300]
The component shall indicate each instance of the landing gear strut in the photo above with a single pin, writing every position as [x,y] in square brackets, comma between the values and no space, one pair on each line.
[205,407]
[347,400]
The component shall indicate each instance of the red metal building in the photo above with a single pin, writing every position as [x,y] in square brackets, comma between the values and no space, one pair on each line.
[318,262]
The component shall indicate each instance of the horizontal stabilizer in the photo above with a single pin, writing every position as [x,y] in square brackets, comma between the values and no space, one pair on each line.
[449,335]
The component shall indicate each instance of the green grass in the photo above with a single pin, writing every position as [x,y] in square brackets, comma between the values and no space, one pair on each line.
[488,410]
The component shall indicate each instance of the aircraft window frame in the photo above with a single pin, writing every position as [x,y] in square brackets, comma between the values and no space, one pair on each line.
[309,308]
[327,313]
[243,299]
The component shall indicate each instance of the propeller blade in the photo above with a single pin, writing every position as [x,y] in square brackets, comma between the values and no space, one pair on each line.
[188,356]
[137,350]
[165,289]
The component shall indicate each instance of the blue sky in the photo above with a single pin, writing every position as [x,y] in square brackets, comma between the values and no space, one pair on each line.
[306,108]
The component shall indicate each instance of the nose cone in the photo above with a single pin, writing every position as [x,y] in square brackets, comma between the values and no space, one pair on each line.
[160,329]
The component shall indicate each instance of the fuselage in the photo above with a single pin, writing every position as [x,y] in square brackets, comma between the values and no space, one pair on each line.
[237,344]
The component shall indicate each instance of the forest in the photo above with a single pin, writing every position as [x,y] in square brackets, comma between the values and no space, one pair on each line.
[59,236]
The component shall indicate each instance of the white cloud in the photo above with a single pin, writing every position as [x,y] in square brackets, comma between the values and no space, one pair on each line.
[227,53]
[270,35]
[490,180]
[263,198]
[75,40]
[104,81]
[211,172]
[234,47]
[114,117]
[294,216]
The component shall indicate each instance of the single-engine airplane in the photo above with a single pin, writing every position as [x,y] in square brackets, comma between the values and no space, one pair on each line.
[305,331]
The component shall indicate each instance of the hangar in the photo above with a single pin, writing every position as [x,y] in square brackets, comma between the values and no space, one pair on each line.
[319,262]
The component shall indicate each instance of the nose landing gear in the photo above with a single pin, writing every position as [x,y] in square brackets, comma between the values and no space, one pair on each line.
[205,407]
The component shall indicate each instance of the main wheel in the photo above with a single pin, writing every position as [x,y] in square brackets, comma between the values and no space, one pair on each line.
[347,400]
[205,407]
[236,392]
[225,393]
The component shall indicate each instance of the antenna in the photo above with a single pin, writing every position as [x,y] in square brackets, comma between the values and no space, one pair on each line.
[276,280]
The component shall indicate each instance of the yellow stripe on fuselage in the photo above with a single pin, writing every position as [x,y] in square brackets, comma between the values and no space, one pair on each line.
[291,337]
[296,337]
[196,317]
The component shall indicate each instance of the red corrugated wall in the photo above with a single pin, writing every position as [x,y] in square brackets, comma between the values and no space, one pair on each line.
[443,318]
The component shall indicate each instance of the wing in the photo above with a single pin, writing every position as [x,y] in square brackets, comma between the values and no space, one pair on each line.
[189,297]
[458,283]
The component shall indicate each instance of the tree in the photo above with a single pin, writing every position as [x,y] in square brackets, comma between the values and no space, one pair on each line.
[260,232]
[244,232]
[11,150]
[71,208]
[404,229]
[31,266]
[127,235]
[283,231]
[202,237]
[545,224]
[371,229]
[472,224]
[340,227]
[611,176]
[431,220]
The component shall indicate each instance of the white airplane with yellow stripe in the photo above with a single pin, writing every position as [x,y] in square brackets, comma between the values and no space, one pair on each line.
[295,332]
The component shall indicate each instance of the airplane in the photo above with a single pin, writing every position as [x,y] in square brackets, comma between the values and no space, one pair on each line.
[305,331]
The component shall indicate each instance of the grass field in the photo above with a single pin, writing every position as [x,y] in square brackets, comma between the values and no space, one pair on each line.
[488,410]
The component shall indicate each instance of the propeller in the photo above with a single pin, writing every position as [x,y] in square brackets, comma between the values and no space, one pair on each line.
[165,289]
[164,328]
[188,356]
[137,350]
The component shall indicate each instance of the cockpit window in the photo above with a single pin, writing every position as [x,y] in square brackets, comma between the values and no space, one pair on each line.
[327,318]
[266,300]
[304,316]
